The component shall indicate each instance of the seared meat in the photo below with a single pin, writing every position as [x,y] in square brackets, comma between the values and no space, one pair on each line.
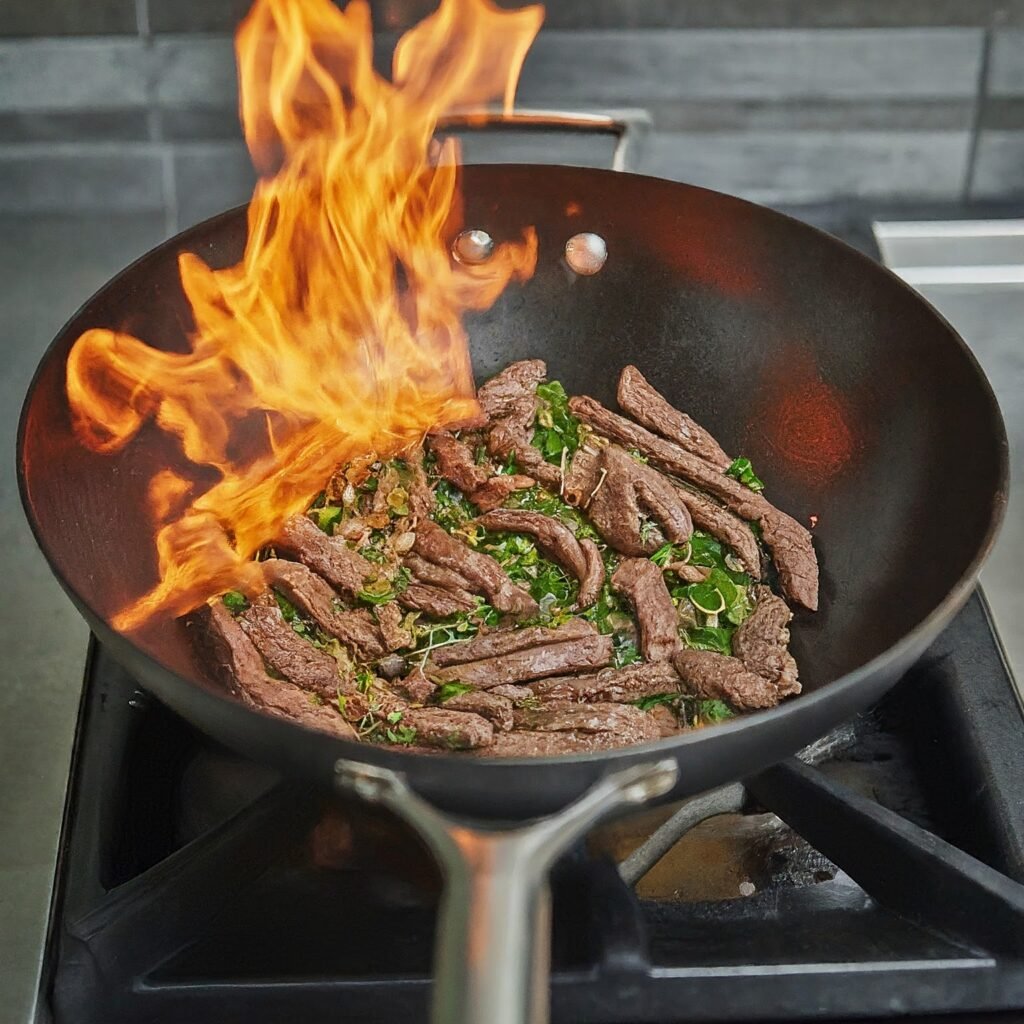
[616,685]
[437,575]
[649,407]
[457,464]
[505,641]
[642,583]
[510,401]
[434,601]
[762,640]
[640,729]
[415,687]
[718,677]
[582,475]
[553,538]
[497,710]
[288,653]
[449,730]
[482,571]
[421,496]
[513,692]
[717,520]
[689,573]
[789,542]
[329,557]
[627,491]
[315,599]
[593,577]
[235,658]
[389,622]
[568,717]
[587,652]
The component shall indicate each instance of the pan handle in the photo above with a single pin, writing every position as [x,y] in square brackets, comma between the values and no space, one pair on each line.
[629,127]
[492,954]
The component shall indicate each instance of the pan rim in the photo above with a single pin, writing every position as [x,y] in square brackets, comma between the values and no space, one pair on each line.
[401,760]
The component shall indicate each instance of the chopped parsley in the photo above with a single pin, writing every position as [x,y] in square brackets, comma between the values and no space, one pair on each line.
[383,590]
[235,602]
[446,691]
[741,469]
[556,430]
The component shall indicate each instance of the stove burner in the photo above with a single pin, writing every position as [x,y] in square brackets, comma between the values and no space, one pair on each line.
[195,886]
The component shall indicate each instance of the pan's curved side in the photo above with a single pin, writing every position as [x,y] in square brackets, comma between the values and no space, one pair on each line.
[735,312]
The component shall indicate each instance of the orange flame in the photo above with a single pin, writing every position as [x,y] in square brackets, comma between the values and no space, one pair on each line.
[339,332]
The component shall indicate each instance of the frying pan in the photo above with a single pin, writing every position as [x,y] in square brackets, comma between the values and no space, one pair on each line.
[856,402]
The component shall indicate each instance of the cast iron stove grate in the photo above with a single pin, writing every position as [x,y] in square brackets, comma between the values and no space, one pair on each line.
[195,887]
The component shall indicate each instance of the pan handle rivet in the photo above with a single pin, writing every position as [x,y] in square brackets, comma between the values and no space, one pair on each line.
[473,247]
[586,253]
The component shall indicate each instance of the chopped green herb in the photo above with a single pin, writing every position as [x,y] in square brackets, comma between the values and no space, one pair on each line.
[369,485]
[383,590]
[480,455]
[624,652]
[536,499]
[403,735]
[365,680]
[646,703]
[715,710]
[557,430]
[446,691]
[326,517]
[235,602]
[394,717]
[741,469]
[709,638]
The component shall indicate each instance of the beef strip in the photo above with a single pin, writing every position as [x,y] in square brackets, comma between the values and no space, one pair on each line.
[497,710]
[718,677]
[615,685]
[435,601]
[288,653]
[556,541]
[505,641]
[667,721]
[568,717]
[593,578]
[449,730]
[237,661]
[513,692]
[713,518]
[643,585]
[628,490]
[689,573]
[437,575]
[510,401]
[457,463]
[788,541]
[582,475]
[640,728]
[480,570]
[649,407]
[315,599]
[421,495]
[389,621]
[579,655]
[329,557]
[761,641]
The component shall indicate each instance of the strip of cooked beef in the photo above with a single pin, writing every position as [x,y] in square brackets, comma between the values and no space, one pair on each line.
[389,622]
[593,576]
[717,520]
[525,743]
[566,716]
[761,641]
[480,570]
[435,575]
[449,730]
[457,463]
[510,401]
[557,542]
[579,655]
[288,653]
[641,582]
[421,494]
[626,493]
[505,641]
[415,687]
[789,542]
[329,557]
[648,406]
[689,573]
[512,691]
[238,663]
[315,599]
[435,601]
[719,677]
[582,475]
[614,685]
[667,721]
[497,710]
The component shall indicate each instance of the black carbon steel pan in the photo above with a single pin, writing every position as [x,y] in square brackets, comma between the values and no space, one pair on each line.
[857,403]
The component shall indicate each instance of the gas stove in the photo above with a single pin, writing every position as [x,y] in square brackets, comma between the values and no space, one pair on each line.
[876,876]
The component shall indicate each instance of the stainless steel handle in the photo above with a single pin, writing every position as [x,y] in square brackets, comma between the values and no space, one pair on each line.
[492,955]
[629,127]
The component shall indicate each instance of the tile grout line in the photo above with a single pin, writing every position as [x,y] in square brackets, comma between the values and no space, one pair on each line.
[977,113]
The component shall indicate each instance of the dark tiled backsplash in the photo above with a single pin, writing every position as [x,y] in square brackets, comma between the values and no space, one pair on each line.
[775,114]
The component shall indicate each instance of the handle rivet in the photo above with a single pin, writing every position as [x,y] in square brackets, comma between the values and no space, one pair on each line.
[473,247]
[586,253]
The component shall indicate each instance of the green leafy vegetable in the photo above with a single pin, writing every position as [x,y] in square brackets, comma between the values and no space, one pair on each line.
[741,469]
[715,710]
[557,430]
[326,517]
[537,499]
[709,638]
[448,690]
[235,602]
[383,590]
[451,510]
[624,652]
[646,703]
[403,735]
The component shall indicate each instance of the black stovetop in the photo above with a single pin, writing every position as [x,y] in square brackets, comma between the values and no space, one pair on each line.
[196,887]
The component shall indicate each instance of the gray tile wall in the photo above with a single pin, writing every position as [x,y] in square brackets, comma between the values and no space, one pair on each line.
[131,104]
